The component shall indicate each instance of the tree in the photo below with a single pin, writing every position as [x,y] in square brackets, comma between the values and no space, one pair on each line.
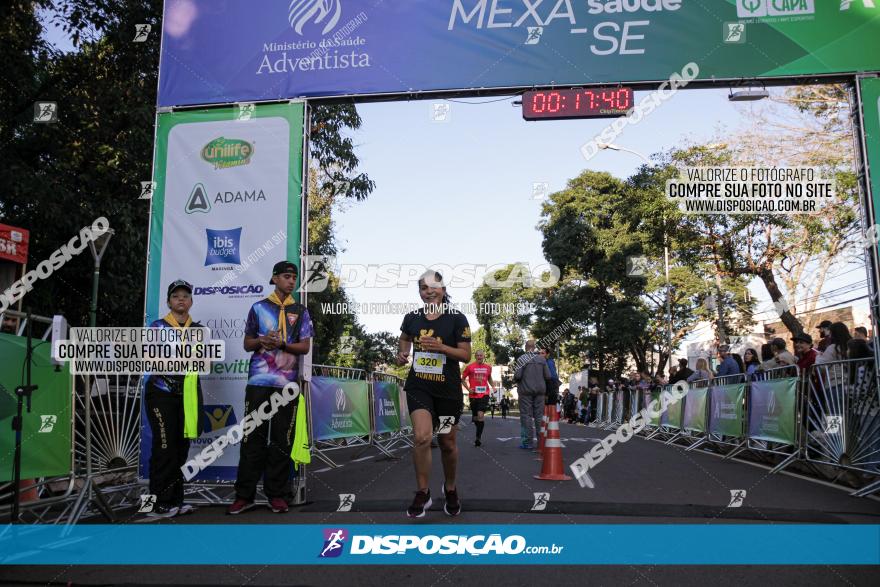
[791,254]
[57,178]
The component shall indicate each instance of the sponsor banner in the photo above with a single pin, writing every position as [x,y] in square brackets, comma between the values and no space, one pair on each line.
[870,89]
[226,188]
[340,408]
[694,417]
[407,544]
[726,414]
[46,427]
[231,52]
[386,406]
[655,416]
[671,417]
[773,410]
[14,244]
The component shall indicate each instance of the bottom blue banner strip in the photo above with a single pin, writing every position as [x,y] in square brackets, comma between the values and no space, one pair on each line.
[672,544]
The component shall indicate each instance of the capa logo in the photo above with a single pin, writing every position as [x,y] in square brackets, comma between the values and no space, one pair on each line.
[756,8]
[223,246]
[301,12]
[223,152]
[334,540]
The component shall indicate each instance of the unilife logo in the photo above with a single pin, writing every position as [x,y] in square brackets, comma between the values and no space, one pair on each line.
[301,12]
[223,152]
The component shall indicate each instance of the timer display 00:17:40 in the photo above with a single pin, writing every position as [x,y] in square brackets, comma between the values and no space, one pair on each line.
[576,103]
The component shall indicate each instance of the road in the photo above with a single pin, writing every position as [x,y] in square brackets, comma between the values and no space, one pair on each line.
[642,481]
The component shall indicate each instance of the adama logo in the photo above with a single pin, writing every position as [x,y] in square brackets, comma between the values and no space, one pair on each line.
[301,12]
[334,541]
[223,152]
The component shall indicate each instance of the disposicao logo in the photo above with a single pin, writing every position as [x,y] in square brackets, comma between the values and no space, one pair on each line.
[223,153]
[334,540]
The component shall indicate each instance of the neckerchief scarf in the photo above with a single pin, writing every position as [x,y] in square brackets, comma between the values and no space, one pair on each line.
[282,323]
[190,389]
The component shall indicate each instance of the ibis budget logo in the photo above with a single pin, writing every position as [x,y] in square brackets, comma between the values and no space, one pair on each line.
[223,153]
[758,8]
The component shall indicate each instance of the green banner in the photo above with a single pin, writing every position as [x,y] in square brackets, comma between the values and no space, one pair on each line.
[727,415]
[340,408]
[46,430]
[773,409]
[694,418]
[870,90]
[655,419]
[671,417]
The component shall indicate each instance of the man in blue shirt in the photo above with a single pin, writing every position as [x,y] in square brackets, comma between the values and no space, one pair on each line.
[728,365]
[278,330]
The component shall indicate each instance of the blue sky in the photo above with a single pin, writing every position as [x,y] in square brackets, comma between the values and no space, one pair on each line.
[461,191]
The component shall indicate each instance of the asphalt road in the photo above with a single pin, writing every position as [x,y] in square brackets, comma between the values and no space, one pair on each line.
[642,481]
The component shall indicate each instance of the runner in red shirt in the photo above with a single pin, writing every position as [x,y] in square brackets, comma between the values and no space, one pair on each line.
[477,379]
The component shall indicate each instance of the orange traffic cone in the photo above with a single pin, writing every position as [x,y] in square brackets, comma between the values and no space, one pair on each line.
[553,469]
[28,491]
[542,433]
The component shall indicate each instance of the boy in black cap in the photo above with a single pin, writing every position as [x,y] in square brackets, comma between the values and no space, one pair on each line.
[164,396]
[277,330]
[803,349]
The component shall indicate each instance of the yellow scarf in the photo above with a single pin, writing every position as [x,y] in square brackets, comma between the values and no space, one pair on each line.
[190,389]
[282,323]
[170,319]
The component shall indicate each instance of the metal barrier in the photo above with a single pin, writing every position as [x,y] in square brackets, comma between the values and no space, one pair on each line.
[697,411]
[842,427]
[615,409]
[774,408]
[325,442]
[385,437]
[600,411]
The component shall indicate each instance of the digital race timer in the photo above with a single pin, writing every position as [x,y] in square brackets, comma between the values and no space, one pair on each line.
[577,103]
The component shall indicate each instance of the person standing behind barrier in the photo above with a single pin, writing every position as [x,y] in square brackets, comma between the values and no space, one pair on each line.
[728,365]
[174,411]
[803,349]
[277,330]
[781,356]
[584,397]
[532,377]
[752,362]
[477,379]
[824,335]
[441,337]
[836,349]
[701,372]
[682,373]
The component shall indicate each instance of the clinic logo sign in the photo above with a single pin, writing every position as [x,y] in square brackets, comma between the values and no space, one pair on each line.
[217,417]
[223,153]
[224,246]
[334,542]
[761,8]
[303,12]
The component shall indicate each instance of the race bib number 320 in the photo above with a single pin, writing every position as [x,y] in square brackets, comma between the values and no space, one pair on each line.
[429,362]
